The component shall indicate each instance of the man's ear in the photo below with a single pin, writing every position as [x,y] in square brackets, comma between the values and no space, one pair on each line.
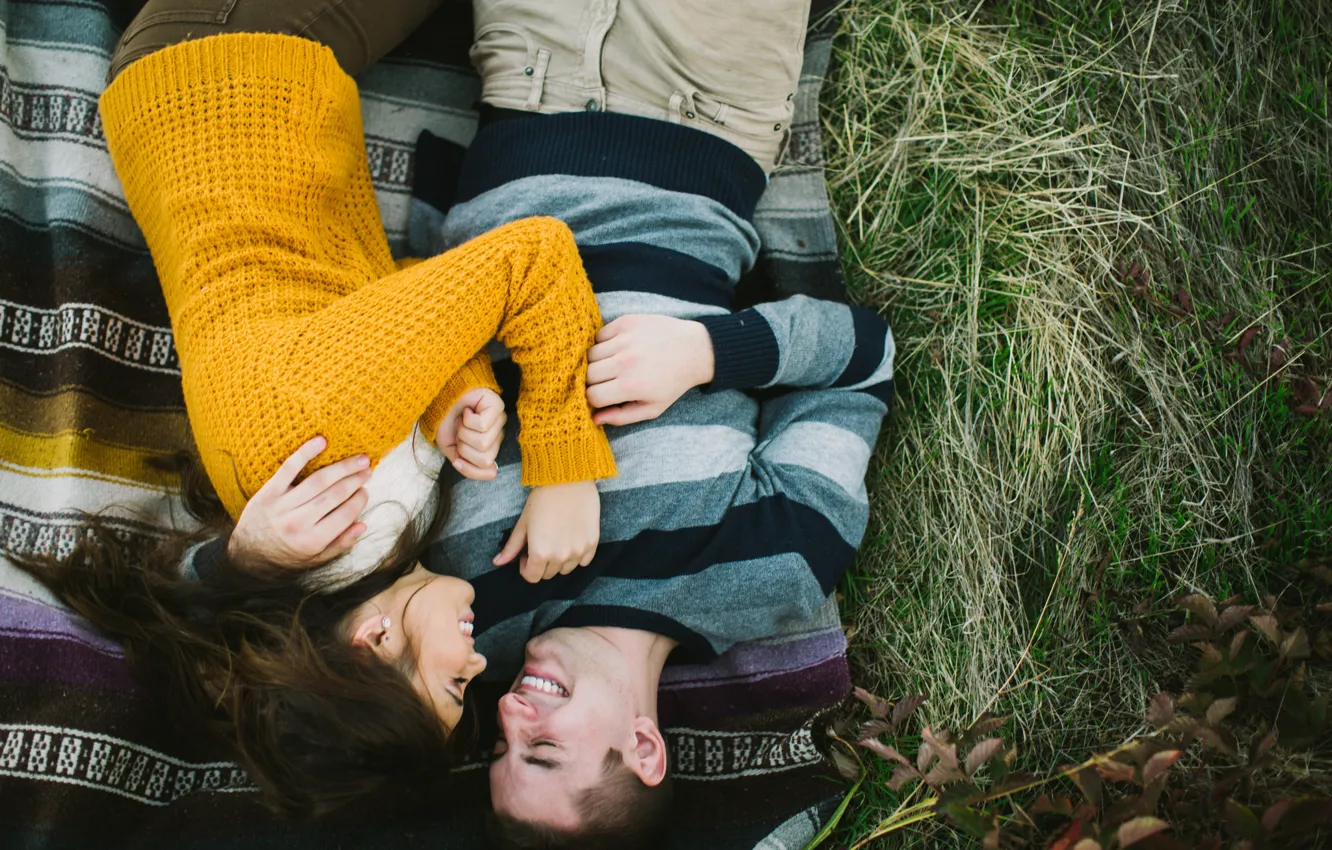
[368,631]
[648,760]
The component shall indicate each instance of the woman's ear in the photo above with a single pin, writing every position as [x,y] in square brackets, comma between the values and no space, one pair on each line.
[368,631]
[648,760]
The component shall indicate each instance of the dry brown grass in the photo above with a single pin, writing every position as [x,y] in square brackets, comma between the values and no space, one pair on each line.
[1061,439]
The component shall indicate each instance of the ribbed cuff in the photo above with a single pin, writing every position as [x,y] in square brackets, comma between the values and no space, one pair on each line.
[474,374]
[218,60]
[561,458]
[744,350]
[205,559]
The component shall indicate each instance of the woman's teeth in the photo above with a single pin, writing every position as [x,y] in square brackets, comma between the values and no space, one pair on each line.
[465,626]
[545,686]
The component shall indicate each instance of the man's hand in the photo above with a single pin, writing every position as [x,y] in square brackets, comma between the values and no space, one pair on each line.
[307,524]
[560,525]
[641,364]
[471,433]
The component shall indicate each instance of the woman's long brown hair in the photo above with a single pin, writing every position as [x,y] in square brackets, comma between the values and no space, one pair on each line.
[257,662]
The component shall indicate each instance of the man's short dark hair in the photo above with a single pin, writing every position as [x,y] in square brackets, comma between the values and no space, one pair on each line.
[619,813]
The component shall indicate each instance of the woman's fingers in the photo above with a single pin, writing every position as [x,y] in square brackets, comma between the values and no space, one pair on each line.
[344,542]
[292,466]
[342,517]
[626,414]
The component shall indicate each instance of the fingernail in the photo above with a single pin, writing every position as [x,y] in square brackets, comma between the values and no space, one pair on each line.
[363,461]
[321,441]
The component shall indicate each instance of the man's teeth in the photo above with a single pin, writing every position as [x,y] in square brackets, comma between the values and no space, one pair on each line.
[545,685]
[465,626]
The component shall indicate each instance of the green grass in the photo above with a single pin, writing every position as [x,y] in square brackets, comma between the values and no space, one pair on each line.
[1064,446]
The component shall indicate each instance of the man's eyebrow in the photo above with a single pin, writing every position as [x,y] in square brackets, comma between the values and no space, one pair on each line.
[544,764]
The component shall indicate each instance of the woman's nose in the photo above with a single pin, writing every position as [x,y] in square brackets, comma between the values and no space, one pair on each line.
[476,665]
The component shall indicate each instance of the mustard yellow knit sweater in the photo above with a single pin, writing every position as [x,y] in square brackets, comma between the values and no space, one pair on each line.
[243,161]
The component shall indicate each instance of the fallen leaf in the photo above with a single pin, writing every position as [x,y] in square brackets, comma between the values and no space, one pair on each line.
[905,706]
[982,753]
[1185,301]
[1161,710]
[1158,764]
[1245,339]
[1139,828]
[1220,710]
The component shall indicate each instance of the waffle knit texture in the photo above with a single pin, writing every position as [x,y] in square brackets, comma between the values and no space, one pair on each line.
[243,160]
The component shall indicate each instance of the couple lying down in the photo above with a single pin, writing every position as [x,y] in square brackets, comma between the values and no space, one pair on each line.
[643,502]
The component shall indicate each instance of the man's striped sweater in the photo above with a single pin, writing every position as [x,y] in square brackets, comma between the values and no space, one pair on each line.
[734,512]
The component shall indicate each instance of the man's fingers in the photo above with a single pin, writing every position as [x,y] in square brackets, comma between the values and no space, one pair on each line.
[609,330]
[607,394]
[330,499]
[480,441]
[325,478]
[481,420]
[587,559]
[292,466]
[513,546]
[569,567]
[626,414]
[601,371]
[345,541]
[534,570]
[341,518]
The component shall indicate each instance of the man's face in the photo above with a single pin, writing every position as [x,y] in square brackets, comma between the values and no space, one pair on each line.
[568,707]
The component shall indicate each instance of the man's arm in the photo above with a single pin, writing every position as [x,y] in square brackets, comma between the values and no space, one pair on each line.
[642,363]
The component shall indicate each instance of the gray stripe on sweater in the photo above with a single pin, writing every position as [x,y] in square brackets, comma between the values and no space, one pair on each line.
[815,340]
[607,210]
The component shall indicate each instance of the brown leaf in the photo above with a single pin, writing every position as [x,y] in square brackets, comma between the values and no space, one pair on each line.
[846,764]
[874,728]
[982,753]
[1139,828]
[1185,301]
[1232,617]
[986,724]
[1161,710]
[1307,409]
[1274,813]
[901,776]
[947,751]
[924,756]
[1306,391]
[943,773]
[878,707]
[1089,783]
[1190,633]
[883,751]
[1326,401]
[1267,626]
[1237,643]
[1220,710]
[1201,606]
[1296,645]
[1087,844]
[1158,765]
[1115,771]
[1245,339]
[905,706]
[1278,356]
[1217,740]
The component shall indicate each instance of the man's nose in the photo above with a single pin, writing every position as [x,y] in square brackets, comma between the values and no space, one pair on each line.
[513,708]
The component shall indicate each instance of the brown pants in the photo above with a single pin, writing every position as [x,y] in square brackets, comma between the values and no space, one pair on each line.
[358,32]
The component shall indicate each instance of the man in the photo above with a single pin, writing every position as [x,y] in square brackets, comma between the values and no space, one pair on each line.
[730,517]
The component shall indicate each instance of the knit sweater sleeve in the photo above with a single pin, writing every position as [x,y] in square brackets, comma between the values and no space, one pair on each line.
[801,342]
[243,160]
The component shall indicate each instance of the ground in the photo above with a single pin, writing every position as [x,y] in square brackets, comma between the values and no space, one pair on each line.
[1102,232]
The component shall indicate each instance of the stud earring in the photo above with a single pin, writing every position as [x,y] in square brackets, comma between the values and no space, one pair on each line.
[386,622]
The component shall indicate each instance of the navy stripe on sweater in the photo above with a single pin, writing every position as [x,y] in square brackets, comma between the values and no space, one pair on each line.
[606,144]
[746,534]
[867,357]
[638,267]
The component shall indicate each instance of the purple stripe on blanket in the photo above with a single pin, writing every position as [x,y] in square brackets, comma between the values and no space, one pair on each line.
[53,660]
[23,615]
[812,688]
[757,660]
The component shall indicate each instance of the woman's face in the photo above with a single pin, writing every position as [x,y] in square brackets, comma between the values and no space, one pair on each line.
[428,636]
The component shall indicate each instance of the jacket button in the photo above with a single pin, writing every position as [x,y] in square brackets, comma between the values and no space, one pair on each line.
[593,106]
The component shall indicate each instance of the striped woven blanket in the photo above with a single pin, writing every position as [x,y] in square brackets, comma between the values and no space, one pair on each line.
[90,393]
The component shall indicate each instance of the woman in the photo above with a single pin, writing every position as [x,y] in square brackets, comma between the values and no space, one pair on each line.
[243,161]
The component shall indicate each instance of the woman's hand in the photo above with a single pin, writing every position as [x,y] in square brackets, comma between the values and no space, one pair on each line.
[308,524]
[560,525]
[641,364]
[471,433]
